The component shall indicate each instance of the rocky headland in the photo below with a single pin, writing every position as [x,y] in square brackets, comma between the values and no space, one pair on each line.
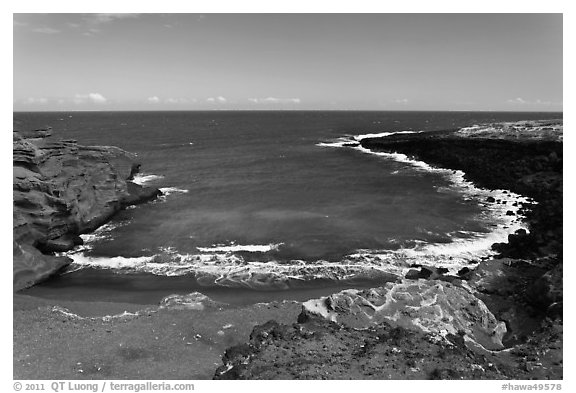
[500,318]
[60,190]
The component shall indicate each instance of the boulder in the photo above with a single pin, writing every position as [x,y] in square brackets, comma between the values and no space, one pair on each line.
[31,266]
[435,307]
[195,301]
[430,273]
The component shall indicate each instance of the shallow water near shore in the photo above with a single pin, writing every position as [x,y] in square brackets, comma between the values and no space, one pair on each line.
[148,289]
[264,192]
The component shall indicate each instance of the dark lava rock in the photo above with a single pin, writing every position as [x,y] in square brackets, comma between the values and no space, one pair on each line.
[61,244]
[321,349]
[430,273]
[414,274]
[138,194]
[465,271]
[519,165]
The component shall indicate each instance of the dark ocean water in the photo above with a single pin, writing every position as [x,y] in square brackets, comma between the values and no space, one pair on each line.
[257,187]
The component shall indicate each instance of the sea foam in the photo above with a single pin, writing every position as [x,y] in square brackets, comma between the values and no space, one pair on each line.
[142,178]
[173,190]
[238,248]
[461,251]
[221,265]
[383,134]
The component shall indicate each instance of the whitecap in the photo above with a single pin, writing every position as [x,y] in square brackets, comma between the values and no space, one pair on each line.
[103,232]
[461,250]
[384,134]
[339,142]
[353,140]
[238,248]
[171,190]
[117,262]
[142,178]
[219,265]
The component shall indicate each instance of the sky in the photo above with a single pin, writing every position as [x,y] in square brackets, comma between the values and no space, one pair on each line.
[507,62]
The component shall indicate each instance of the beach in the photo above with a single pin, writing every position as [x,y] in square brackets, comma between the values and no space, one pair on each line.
[75,340]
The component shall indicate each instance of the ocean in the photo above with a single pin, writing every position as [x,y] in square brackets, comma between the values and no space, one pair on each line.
[271,205]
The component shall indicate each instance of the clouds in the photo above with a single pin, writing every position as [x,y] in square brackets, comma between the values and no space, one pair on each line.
[92,24]
[274,100]
[107,18]
[86,24]
[98,101]
[155,100]
[94,98]
[36,100]
[217,100]
[222,102]
[179,100]
[519,101]
[80,101]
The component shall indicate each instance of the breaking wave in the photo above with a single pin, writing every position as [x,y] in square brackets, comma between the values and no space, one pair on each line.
[173,190]
[238,248]
[143,178]
[231,265]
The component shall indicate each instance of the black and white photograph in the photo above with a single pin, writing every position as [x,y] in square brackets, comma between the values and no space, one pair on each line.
[286,196]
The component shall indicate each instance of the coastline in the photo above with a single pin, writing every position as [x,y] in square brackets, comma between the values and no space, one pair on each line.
[61,190]
[140,359]
[521,287]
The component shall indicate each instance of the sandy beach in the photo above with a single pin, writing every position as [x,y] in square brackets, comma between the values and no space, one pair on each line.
[157,344]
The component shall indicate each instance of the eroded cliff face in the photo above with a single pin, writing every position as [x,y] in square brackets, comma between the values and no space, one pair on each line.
[60,190]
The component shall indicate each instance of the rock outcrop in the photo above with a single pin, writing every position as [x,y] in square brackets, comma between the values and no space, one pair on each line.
[62,189]
[526,158]
[321,349]
[435,307]
[500,159]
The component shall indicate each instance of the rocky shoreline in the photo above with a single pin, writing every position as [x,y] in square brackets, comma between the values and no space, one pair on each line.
[499,319]
[60,190]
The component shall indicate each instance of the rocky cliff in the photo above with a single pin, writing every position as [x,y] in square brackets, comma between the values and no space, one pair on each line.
[60,190]
[507,160]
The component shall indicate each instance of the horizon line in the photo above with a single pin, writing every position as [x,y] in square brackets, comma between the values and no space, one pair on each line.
[288,110]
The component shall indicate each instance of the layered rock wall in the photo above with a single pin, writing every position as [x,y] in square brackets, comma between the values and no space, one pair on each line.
[62,189]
